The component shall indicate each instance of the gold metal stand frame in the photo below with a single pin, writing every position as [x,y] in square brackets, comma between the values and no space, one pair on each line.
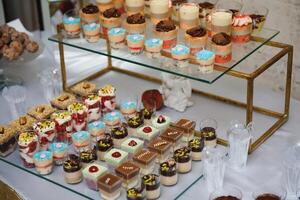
[249,77]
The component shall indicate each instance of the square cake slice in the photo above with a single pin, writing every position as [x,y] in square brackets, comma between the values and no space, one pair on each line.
[115,157]
[147,132]
[23,123]
[161,147]
[40,112]
[83,89]
[173,135]
[63,101]
[110,186]
[92,173]
[145,159]
[129,172]
[132,145]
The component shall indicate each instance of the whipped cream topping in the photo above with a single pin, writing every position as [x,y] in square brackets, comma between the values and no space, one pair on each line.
[241,20]
[92,99]
[44,126]
[107,90]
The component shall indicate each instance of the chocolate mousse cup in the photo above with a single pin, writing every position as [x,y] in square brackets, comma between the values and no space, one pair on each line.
[90,14]
[72,169]
[111,18]
[152,184]
[195,39]
[268,197]
[103,146]
[145,160]
[166,30]
[196,146]
[135,23]
[222,46]
[168,173]
[183,160]
[188,128]
[210,136]
[110,186]
[119,135]
[130,174]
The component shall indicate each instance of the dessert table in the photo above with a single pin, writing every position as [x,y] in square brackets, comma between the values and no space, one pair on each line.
[264,165]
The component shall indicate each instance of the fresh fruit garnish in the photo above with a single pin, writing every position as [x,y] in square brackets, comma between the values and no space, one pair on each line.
[161,119]
[93,169]
[116,154]
[147,129]
[132,143]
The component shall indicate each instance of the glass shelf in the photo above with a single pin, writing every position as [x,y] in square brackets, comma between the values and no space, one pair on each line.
[165,63]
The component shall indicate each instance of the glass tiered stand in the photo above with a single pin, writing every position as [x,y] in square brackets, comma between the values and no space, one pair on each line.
[240,53]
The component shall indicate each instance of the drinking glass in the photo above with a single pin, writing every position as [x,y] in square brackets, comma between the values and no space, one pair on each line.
[226,191]
[214,167]
[273,191]
[239,136]
[15,97]
[291,169]
[50,82]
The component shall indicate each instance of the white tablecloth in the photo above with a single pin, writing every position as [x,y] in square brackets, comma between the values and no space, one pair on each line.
[264,166]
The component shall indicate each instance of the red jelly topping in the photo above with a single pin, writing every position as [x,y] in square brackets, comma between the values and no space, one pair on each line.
[147,129]
[116,154]
[93,169]
[132,143]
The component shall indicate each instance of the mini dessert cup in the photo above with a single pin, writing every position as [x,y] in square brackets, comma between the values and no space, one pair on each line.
[71,22]
[135,43]
[222,46]
[129,173]
[161,122]
[72,169]
[174,136]
[45,130]
[104,5]
[196,146]
[110,186]
[7,140]
[119,135]
[181,54]
[206,9]
[159,10]
[81,141]
[188,128]
[92,173]
[28,145]
[79,116]
[15,96]
[259,16]
[196,39]
[83,89]
[63,125]
[108,96]
[112,119]
[208,131]
[221,21]
[183,160]
[119,5]
[128,107]
[97,130]
[162,147]
[152,184]
[136,193]
[148,114]
[103,146]
[93,104]
[23,123]
[134,6]
[43,161]
[59,151]
[133,123]
[115,157]
[110,18]
[132,146]
[135,24]
[206,61]
[226,192]
[188,15]
[166,30]
[147,133]
[41,112]
[279,193]
[116,38]
[168,173]
[241,28]
[63,101]
[90,14]
[175,9]
[145,160]
[153,48]
[91,32]
[87,157]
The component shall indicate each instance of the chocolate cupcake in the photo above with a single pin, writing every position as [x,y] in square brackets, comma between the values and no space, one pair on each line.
[166,30]
[168,172]
[196,146]
[104,145]
[119,134]
[183,159]
[135,23]
[88,156]
[72,169]
[152,185]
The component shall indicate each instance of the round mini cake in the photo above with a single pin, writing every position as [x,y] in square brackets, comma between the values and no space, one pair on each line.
[118,135]
[133,124]
[152,184]
[91,32]
[135,43]
[222,46]
[135,24]
[166,30]
[168,173]
[28,146]
[81,141]
[43,162]
[116,38]
[72,170]
[183,159]
[161,122]
[112,119]
[241,28]
[87,157]
[206,60]
[196,146]
[103,146]
[111,18]
[60,152]
[180,53]
[97,130]
[153,47]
